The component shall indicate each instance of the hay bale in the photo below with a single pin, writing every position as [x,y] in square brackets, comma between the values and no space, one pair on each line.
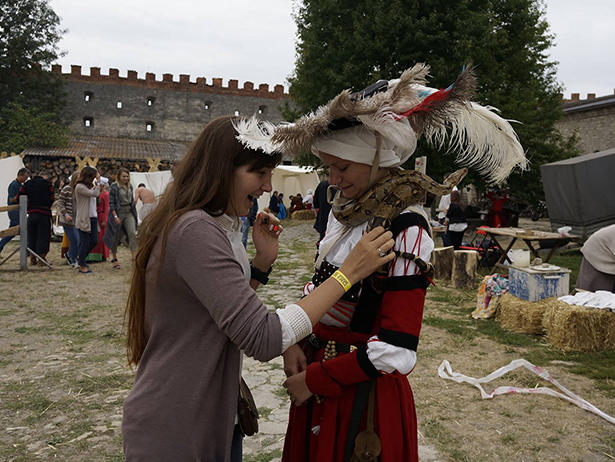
[303,215]
[518,315]
[577,328]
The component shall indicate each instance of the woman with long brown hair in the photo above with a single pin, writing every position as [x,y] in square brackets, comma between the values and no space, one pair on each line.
[192,308]
[86,192]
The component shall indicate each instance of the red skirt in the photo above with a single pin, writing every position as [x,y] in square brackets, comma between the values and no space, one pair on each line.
[394,416]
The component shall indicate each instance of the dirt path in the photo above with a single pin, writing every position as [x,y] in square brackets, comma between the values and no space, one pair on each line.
[63,376]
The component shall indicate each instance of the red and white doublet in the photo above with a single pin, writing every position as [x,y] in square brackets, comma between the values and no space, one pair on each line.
[385,328]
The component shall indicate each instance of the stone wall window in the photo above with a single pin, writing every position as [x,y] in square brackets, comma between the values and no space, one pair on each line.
[208,105]
[119,105]
[262,109]
[236,112]
[87,96]
[149,126]
[88,122]
[151,100]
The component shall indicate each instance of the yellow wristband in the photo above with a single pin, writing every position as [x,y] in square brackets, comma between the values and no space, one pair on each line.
[343,280]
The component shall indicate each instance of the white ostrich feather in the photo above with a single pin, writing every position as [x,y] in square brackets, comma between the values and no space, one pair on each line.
[256,134]
[482,139]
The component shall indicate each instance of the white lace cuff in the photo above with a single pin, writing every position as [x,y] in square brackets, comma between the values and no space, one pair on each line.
[296,325]
[390,358]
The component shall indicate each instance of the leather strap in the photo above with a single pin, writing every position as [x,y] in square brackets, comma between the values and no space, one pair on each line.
[370,407]
[358,406]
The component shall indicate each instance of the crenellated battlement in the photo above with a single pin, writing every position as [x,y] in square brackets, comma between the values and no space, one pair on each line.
[168,82]
[576,97]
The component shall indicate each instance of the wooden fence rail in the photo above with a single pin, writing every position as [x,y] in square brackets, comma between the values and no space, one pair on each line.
[9,208]
[21,230]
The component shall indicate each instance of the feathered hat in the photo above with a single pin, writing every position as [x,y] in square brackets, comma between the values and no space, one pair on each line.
[384,121]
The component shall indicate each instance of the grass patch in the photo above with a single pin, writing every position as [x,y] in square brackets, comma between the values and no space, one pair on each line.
[28,330]
[452,326]
[437,432]
[281,392]
[105,383]
[114,457]
[275,366]
[265,457]
[264,412]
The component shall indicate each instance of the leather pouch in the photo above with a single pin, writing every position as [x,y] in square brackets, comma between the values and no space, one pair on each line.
[246,410]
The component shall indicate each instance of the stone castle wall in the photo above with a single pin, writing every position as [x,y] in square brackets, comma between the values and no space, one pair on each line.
[595,128]
[114,106]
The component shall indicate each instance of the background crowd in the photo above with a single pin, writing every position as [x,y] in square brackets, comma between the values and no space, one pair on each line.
[92,215]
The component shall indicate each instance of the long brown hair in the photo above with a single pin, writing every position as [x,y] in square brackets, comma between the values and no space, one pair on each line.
[86,178]
[456,199]
[73,181]
[203,179]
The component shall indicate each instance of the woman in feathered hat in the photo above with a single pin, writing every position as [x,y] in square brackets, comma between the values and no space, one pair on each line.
[348,381]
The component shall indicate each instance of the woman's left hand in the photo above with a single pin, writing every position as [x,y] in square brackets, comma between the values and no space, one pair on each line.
[265,236]
[297,388]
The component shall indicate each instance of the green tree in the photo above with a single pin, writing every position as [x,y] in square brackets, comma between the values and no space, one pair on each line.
[351,44]
[22,127]
[29,35]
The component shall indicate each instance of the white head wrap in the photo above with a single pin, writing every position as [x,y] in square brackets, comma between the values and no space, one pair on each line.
[359,144]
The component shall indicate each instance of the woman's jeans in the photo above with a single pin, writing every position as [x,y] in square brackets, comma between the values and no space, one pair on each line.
[88,241]
[237,446]
[72,234]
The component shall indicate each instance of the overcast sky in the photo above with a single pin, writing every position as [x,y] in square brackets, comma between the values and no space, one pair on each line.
[254,41]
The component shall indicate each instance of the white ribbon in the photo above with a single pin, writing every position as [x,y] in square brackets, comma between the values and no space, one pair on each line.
[542,373]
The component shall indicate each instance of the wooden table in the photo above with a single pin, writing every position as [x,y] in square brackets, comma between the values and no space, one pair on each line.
[438,229]
[529,237]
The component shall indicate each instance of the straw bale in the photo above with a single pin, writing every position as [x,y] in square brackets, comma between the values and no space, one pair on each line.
[303,215]
[577,328]
[518,315]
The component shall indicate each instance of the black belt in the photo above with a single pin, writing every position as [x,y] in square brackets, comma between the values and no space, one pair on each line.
[320,343]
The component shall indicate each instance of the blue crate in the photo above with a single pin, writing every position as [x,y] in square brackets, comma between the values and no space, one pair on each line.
[534,285]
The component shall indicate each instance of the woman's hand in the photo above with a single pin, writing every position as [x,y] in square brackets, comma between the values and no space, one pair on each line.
[265,236]
[294,360]
[117,220]
[366,257]
[297,388]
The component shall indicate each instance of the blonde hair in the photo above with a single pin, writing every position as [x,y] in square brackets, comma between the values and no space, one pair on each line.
[117,178]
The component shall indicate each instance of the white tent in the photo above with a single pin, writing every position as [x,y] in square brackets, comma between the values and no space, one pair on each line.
[9,167]
[156,181]
[290,180]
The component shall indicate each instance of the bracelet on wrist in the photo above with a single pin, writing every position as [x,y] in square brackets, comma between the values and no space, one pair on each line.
[342,279]
[259,275]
